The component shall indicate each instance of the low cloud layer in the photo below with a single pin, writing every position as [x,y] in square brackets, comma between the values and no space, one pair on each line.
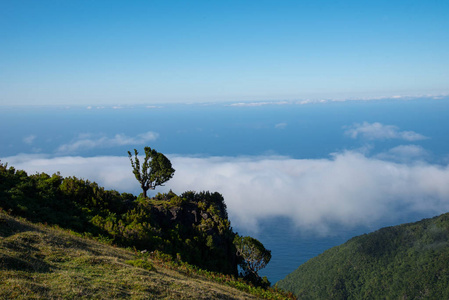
[86,141]
[349,189]
[378,131]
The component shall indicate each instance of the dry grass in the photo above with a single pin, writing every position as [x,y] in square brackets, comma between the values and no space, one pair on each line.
[38,262]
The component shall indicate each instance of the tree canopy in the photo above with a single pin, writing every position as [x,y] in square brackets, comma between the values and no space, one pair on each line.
[155,170]
[254,255]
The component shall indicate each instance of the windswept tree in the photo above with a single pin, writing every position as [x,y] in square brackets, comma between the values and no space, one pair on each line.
[155,170]
[254,255]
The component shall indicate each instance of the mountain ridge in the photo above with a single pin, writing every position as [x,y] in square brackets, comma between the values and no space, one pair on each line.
[407,261]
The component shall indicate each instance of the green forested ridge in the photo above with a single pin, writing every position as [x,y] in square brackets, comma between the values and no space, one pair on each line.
[191,227]
[409,261]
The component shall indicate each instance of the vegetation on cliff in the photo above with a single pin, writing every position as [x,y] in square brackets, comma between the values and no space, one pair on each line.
[409,261]
[191,228]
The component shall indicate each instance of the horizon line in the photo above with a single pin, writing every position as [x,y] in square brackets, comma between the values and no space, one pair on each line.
[242,103]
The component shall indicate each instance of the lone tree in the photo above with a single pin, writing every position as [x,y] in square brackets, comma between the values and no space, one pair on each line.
[254,255]
[156,169]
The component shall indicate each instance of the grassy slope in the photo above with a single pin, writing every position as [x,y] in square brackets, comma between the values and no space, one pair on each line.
[409,261]
[38,262]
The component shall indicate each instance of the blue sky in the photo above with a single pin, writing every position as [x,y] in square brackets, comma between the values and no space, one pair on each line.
[131,52]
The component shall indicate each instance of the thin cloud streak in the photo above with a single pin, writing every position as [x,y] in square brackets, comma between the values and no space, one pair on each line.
[404,153]
[349,189]
[259,103]
[281,125]
[87,142]
[29,139]
[378,131]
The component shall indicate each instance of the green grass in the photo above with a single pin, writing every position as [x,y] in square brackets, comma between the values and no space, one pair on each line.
[39,262]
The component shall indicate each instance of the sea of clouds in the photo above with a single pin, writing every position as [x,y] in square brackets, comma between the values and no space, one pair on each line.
[348,188]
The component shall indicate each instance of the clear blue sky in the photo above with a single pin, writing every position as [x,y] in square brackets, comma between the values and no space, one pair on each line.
[129,52]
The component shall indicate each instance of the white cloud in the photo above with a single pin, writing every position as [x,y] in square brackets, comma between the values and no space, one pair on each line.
[86,141]
[260,103]
[310,101]
[348,189]
[404,153]
[378,131]
[29,139]
[280,125]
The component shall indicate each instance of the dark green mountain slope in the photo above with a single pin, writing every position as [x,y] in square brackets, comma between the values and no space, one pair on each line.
[409,261]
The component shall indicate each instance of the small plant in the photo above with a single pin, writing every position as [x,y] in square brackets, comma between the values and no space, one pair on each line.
[140,263]
[177,201]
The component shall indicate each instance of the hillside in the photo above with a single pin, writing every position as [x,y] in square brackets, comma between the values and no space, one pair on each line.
[182,246]
[192,226]
[38,262]
[409,261]
[41,262]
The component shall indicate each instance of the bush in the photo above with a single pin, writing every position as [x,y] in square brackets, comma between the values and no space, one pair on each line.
[140,263]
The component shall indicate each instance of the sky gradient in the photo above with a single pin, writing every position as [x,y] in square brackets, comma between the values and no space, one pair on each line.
[122,52]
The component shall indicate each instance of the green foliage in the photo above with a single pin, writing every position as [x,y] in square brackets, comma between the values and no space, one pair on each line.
[141,263]
[408,261]
[207,200]
[193,225]
[198,233]
[155,170]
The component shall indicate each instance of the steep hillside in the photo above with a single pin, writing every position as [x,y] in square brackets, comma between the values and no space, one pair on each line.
[39,262]
[182,245]
[409,261]
[192,226]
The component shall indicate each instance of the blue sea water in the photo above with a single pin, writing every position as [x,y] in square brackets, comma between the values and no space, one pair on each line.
[310,131]
[299,131]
